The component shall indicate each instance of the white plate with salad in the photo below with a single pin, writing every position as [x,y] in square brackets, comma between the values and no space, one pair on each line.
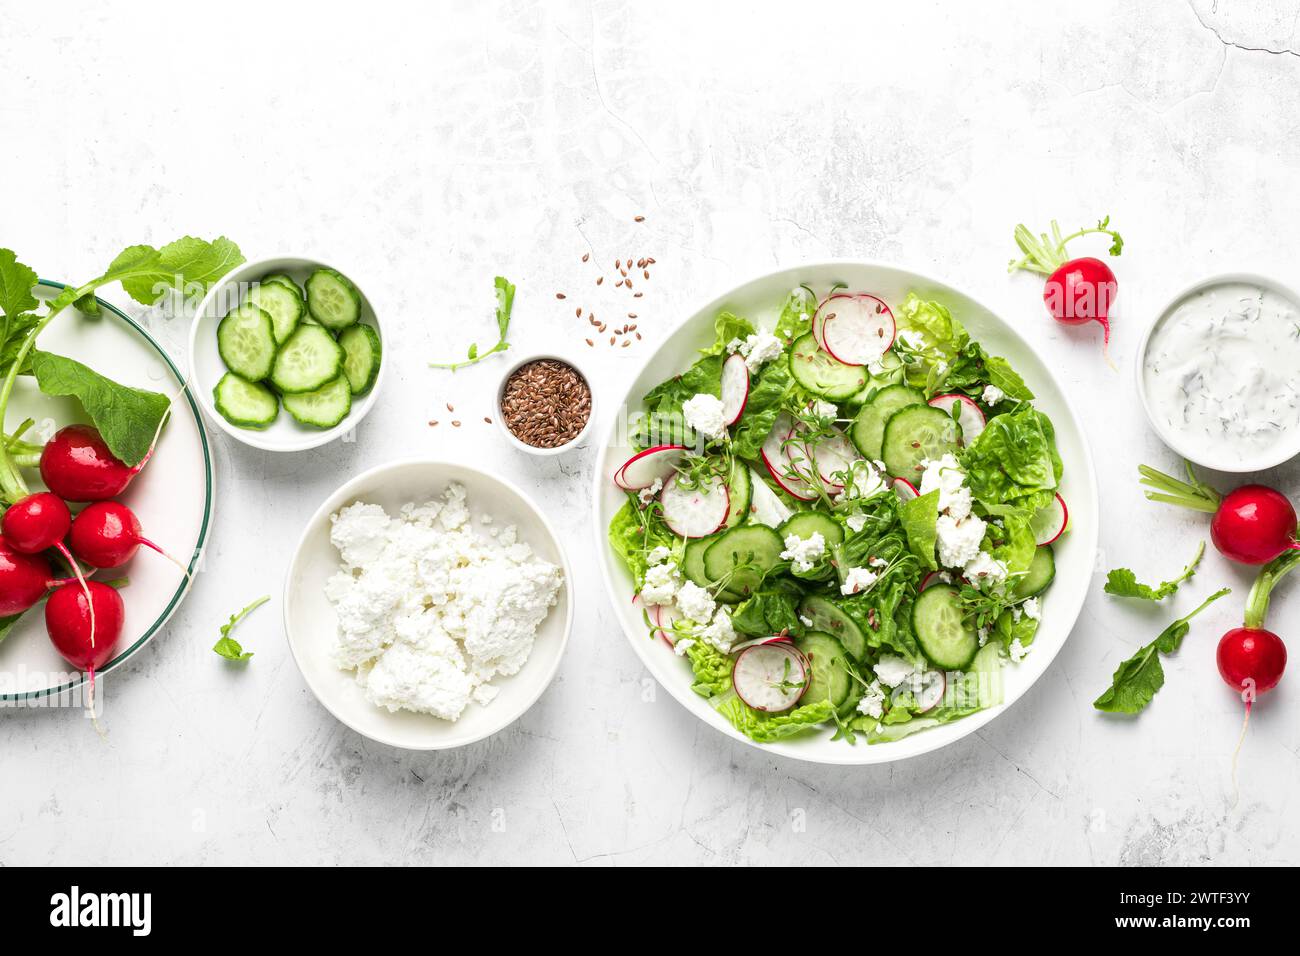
[850,516]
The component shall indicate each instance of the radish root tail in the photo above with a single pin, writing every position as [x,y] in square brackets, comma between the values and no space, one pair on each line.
[176,561]
[1236,790]
[85,588]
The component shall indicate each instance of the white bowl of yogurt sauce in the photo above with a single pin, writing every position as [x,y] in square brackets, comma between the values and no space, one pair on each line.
[1219,373]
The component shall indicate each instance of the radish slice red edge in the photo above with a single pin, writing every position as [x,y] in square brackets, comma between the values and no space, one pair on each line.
[1049,523]
[643,468]
[662,617]
[857,328]
[763,674]
[774,639]
[905,490]
[931,691]
[774,456]
[694,512]
[735,387]
[969,416]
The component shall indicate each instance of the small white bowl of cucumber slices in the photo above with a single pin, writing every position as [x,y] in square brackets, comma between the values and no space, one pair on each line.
[286,354]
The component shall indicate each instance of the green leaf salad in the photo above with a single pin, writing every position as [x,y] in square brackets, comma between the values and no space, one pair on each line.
[842,524]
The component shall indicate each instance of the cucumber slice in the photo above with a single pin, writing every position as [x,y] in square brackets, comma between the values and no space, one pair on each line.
[333,300]
[693,560]
[742,556]
[281,304]
[323,408]
[288,283]
[891,373]
[827,617]
[830,678]
[947,640]
[246,341]
[805,523]
[309,359]
[915,434]
[868,429]
[741,492]
[1042,569]
[361,353]
[822,375]
[243,403]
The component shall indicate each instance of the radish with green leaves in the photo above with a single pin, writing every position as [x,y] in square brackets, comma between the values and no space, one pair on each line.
[1252,524]
[85,627]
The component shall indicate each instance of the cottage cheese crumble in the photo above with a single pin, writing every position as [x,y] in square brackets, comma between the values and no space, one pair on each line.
[429,612]
[703,413]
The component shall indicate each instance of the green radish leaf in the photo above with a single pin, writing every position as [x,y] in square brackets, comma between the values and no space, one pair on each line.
[146,272]
[127,418]
[16,284]
[7,625]
[16,329]
[227,646]
[1123,583]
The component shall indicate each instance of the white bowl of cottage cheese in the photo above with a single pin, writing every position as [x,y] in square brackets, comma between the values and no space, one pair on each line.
[428,604]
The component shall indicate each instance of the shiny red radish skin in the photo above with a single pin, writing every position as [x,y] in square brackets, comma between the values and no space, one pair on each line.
[106,534]
[68,622]
[1251,660]
[35,523]
[77,466]
[904,489]
[1254,524]
[1081,291]
[24,579]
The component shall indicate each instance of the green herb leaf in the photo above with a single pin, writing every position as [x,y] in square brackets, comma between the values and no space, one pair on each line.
[1123,583]
[227,646]
[920,516]
[505,292]
[127,418]
[1137,679]
[16,284]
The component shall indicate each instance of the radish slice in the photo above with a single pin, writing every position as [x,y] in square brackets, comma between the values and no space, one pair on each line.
[662,616]
[930,579]
[969,417]
[778,464]
[834,454]
[856,329]
[643,468]
[764,506]
[770,677]
[694,512]
[905,490]
[928,695]
[1049,523]
[735,388]
[774,639]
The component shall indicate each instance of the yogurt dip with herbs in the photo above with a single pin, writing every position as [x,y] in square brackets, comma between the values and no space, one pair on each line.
[1222,374]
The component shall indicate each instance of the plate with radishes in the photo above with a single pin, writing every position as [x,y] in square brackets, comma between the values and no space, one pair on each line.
[96,554]
[848,507]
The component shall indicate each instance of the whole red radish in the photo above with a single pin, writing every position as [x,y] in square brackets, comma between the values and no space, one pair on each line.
[1252,524]
[37,522]
[1077,290]
[1251,660]
[77,466]
[24,579]
[85,630]
[106,534]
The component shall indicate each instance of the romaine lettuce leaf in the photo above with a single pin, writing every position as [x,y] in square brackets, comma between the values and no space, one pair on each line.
[766,728]
[725,328]
[919,517]
[770,611]
[712,669]
[1014,460]
[796,314]
[631,543]
[767,394]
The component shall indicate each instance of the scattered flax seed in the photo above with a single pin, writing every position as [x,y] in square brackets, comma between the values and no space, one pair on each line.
[646,274]
[631,315]
[488,419]
[626,343]
[599,279]
[559,295]
[450,407]
[586,256]
[578,312]
[589,342]
[618,283]
[546,403]
[611,339]
[638,218]
[638,336]
[455,424]
[632,327]
[637,295]
[433,422]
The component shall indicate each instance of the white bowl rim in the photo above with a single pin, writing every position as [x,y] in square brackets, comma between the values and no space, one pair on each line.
[1223,278]
[346,491]
[920,743]
[252,437]
[523,446]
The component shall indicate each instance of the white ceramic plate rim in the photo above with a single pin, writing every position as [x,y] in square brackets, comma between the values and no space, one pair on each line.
[209,510]
[851,754]
[252,437]
[1168,437]
[346,492]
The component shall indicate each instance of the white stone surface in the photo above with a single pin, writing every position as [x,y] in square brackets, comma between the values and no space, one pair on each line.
[427,148]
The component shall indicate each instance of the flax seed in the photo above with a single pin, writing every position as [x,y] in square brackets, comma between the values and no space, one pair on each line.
[589,342]
[559,295]
[488,419]
[455,424]
[586,256]
[450,407]
[638,218]
[599,279]
[578,312]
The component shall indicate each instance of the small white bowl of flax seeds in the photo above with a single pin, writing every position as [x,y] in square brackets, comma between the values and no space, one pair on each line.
[545,405]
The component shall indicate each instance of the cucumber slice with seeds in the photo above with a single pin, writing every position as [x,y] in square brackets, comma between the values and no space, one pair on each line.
[288,283]
[246,341]
[243,403]
[361,353]
[282,304]
[323,408]
[948,640]
[868,429]
[333,300]
[915,434]
[309,359]
[821,374]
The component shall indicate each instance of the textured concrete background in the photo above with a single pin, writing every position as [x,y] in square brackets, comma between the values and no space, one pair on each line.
[426,148]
